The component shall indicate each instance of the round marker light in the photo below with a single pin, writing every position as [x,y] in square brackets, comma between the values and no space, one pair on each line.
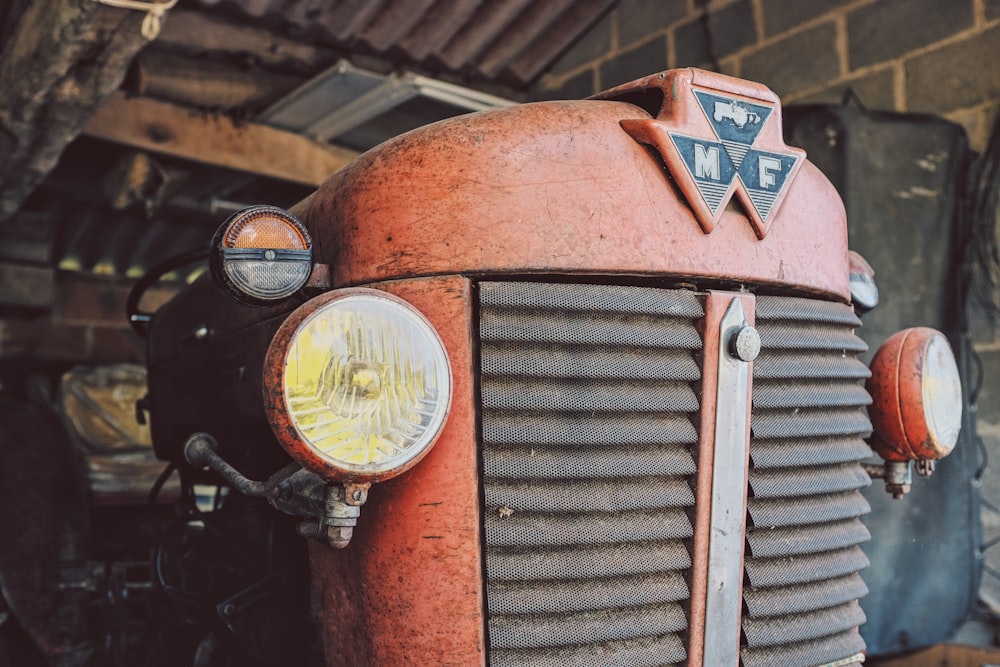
[917,396]
[357,385]
[261,255]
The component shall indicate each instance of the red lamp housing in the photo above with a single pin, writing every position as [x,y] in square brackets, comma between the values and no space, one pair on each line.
[917,396]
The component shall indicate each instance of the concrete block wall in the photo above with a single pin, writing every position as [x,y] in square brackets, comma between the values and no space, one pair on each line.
[934,56]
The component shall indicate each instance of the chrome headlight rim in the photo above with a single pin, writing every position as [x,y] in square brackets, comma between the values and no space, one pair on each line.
[283,425]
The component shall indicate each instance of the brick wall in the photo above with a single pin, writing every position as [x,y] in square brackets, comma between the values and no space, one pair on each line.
[935,56]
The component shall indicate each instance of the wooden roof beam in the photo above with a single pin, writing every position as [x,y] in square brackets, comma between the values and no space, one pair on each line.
[167,129]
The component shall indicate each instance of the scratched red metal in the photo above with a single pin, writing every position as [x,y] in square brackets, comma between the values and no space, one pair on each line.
[897,409]
[409,589]
[561,187]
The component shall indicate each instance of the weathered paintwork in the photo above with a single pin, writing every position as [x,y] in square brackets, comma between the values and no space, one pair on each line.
[897,390]
[561,187]
[408,590]
[556,188]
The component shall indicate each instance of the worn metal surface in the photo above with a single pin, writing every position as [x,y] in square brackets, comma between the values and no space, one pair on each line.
[558,187]
[803,530]
[553,188]
[409,589]
[588,395]
[513,41]
[730,444]
[897,387]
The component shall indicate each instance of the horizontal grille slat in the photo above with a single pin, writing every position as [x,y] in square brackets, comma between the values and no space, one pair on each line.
[803,626]
[789,337]
[807,451]
[586,594]
[588,427]
[787,571]
[805,540]
[569,329]
[798,395]
[809,423]
[576,562]
[567,396]
[810,653]
[795,482]
[588,362]
[809,366]
[791,600]
[585,627]
[783,512]
[799,309]
[592,298]
[575,462]
[590,495]
[666,651]
[601,430]
[524,530]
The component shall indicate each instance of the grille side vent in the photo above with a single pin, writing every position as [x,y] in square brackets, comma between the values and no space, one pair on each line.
[808,428]
[587,426]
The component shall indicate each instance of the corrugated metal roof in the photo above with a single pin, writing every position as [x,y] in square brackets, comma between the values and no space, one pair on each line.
[507,41]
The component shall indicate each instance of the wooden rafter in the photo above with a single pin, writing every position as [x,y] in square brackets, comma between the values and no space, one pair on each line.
[167,129]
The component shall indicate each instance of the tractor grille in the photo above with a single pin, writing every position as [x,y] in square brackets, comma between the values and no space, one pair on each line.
[803,530]
[589,408]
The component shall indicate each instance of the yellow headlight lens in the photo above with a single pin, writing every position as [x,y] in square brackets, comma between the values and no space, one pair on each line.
[366,384]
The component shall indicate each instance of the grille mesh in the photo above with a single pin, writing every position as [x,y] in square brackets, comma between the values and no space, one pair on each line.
[807,430]
[589,401]
[587,423]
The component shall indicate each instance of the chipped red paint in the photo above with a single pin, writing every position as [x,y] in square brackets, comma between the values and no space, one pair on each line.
[560,187]
[555,188]
[896,387]
[409,589]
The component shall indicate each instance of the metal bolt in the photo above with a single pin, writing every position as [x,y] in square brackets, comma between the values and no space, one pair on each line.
[269,255]
[745,344]
[358,495]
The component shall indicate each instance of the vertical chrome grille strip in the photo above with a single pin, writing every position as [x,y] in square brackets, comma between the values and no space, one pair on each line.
[729,483]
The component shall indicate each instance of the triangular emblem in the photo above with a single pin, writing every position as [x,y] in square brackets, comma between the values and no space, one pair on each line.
[736,122]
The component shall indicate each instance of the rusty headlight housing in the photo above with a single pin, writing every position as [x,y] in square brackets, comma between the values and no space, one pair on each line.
[357,386]
[917,396]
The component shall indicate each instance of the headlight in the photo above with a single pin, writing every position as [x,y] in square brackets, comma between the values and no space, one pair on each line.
[917,396]
[261,255]
[357,385]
